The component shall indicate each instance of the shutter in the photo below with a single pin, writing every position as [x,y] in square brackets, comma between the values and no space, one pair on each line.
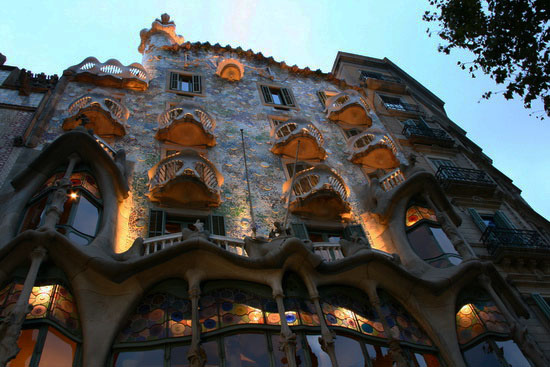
[156,223]
[543,305]
[502,221]
[299,230]
[197,84]
[477,219]
[173,81]
[267,94]
[287,97]
[217,224]
[322,97]
[354,230]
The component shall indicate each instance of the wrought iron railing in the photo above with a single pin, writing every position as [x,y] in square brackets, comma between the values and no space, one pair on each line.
[370,75]
[448,174]
[500,238]
[425,132]
[402,106]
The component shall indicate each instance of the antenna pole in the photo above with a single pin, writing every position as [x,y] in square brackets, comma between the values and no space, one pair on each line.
[253,222]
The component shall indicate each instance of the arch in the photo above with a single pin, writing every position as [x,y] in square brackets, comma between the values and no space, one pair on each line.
[483,333]
[426,237]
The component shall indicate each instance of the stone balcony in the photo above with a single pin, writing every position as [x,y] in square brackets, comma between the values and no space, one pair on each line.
[373,150]
[465,181]
[102,114]
[110,74]
[186,125]
[287,135]
[348,108]
[187,180]
[425,135]
[319,192]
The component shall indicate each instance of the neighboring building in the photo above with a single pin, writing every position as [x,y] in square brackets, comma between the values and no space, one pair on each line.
[214,207]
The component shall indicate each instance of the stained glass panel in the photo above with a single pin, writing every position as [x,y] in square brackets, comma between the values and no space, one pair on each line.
[11,299]
[148,322]
[40,299]
[343,311]
[179,316]
[81,179]
[398,319]
[417,213]
[474,319]
[64,309]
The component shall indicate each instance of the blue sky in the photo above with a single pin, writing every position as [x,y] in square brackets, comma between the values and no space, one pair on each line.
[49,36]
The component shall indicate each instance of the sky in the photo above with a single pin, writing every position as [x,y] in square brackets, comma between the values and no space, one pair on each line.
[50,36]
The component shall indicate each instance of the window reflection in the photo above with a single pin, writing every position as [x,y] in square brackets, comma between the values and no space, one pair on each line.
[379,356]
[58,350]
[246,350]
[280,355]
[27,341]
[178,356]
[348,352]
[141,358]
[316,354]
[212,354]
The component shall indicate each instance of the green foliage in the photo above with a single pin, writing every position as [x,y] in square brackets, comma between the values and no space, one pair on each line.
[510,40]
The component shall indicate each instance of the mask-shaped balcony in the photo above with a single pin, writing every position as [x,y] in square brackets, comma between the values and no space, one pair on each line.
[104,115]
[186,179]
[110,74]
[287,135]
[373,150]
[348,108]
[187,126]
[319,192]
[230,69]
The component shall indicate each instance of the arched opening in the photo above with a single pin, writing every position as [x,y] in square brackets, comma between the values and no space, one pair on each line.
[427,238]
[81,211]
[483,333]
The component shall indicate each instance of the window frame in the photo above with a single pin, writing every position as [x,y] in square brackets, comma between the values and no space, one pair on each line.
[195,92]
[287,96]
[209,221]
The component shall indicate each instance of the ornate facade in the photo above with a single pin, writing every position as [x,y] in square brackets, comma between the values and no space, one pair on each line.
[215,207]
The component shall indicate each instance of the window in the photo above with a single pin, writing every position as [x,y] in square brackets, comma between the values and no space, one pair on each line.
[318,234]
[393,103]
[185,83]
[418,123]
[300,166]
[277,96]
[427,238]
[52,338]
[324,95]
[161,223]
[350,133]
[497,219]
[81,211]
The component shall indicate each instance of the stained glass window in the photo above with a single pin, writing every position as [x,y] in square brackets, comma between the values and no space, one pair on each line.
[54,302]
[341,310]
[158,316]
[82,179]
[416,213]
[398,319]
[474,319]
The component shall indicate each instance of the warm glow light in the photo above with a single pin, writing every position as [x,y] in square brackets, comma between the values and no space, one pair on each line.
[73,195]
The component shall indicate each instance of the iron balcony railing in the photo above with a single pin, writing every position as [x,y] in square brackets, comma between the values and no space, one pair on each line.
[366,75]
[448,174]
[401,106]
[501,238]
[426,132]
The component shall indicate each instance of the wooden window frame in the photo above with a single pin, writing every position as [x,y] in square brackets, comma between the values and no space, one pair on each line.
[195,77]
[289,100]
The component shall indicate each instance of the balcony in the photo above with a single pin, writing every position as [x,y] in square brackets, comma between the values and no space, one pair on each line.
[329,251]
[287,135]
[377,81]
[319,192]
[105,146]
[102,114]
[425,135]
[503,239]
[465,181]
[348,108]
[188,126]
[187,180]
[373,150]
[159,243]
[110,74]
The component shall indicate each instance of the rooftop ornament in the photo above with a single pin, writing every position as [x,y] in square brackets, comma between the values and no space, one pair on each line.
[230,69]
[110,74]
[162,26]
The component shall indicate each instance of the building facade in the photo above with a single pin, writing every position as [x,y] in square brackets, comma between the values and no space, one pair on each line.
[214,207]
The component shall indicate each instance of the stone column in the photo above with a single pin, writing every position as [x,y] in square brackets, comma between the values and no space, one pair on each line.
[396,352]
[288,338]
[59,197]
[519,330]
[196,355]
[327,337]
[10,327]
[458,241]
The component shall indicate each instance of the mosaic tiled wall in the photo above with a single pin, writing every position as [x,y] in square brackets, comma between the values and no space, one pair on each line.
[234,106]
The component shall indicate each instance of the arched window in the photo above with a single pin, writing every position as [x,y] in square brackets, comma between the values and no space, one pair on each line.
[483,333]
[81,211]
[427,238]
[51,333]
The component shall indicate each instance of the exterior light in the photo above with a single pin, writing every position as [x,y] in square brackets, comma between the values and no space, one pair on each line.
[73,195]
